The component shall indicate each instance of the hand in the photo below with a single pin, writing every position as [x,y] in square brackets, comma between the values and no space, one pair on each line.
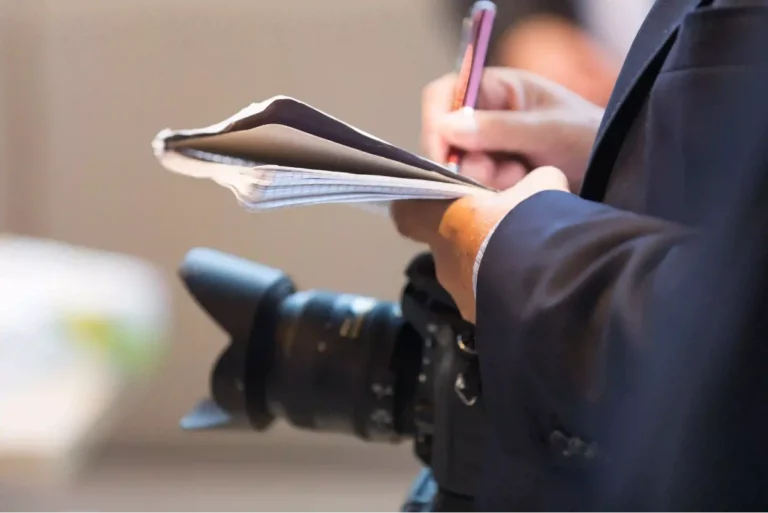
[555,48]
[456,230]
[518,114]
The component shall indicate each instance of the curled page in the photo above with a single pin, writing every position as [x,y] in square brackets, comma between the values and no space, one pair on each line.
[282,152]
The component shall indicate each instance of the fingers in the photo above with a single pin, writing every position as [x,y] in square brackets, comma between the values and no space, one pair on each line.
[507,175]
[504,92]
[498,175]
[523,132]
[501,89]
[480,167]
[419,220]
[425,220]
[541,179]
[435,103]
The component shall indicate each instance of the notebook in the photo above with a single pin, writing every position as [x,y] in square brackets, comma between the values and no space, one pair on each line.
[283,153]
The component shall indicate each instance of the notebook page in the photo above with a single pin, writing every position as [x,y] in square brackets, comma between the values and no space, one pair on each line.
[264,184]
[313,139]
[279,145]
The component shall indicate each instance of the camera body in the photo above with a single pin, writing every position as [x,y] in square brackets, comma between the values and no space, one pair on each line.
[325,361]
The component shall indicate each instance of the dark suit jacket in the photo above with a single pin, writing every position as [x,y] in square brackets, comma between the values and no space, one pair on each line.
[604,322]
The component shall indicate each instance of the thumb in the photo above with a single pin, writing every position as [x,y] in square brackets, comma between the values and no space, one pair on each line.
[498,205]
[523,132]
[547,178]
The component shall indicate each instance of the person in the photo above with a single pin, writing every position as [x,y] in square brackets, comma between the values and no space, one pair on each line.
[577,43]
[690,433]
[565,289]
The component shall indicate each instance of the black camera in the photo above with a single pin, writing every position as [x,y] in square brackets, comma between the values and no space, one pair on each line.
[326,361]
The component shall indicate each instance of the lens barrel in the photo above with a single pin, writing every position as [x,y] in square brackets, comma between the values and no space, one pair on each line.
[339,365]
[321,360]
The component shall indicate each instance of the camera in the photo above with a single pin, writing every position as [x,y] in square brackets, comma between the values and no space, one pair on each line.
[336,362]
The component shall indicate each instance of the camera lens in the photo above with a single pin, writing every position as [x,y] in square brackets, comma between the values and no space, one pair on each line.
[346,364]
[321,360]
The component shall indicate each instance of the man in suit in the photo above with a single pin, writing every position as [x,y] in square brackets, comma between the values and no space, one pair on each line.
[586,342]
[689,434]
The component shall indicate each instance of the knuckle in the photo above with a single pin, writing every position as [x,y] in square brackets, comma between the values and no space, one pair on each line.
[404,219]
[561,180]
[438,87]
[550,177]
[404,231]
[399,218]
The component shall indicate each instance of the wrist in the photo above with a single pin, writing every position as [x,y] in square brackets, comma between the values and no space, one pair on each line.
[466,226]
[480,253]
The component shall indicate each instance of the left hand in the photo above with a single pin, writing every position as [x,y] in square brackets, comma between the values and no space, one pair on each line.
[456,230]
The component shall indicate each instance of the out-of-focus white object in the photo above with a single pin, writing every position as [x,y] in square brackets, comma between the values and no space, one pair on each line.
[615,22]
[78,329]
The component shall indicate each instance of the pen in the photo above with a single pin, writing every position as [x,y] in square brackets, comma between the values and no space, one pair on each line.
[476,35]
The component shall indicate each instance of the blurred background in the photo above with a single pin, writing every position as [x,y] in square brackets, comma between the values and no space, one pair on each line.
[84,87]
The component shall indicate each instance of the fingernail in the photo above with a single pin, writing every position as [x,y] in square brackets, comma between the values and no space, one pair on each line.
[462,121]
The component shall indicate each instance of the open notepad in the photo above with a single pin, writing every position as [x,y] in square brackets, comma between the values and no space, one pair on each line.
[282,152]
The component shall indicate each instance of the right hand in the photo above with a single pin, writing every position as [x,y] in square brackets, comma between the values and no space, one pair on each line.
[518,113]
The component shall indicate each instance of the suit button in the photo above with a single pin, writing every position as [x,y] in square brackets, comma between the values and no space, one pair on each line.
[572,447]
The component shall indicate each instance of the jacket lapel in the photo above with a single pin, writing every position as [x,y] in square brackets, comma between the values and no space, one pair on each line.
[635,80]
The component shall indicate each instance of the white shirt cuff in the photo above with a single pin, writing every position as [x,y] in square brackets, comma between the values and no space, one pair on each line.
[480,254]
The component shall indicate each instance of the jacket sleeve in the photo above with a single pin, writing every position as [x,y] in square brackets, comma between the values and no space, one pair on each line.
[562,298]
[636,336]
[689,433]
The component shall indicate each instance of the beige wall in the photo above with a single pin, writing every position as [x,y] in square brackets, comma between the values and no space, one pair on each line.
[24,128]
[92,81]
[4,157]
